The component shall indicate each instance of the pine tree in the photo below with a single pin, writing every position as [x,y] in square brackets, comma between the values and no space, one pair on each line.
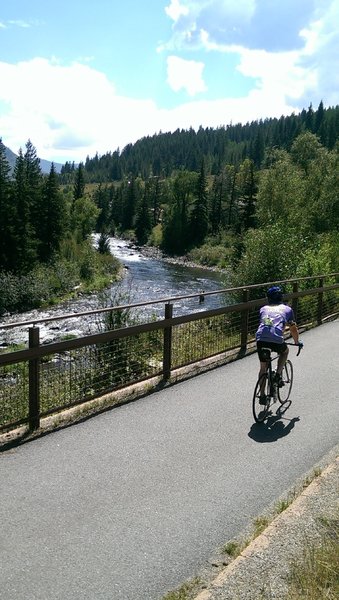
[215,204]
[199,215]
[130,204]
[309,121]
[102,200]
[232,212]
[7,214]
[143,224]
[53,219]
[258,149]
[34,200]
[103,243]
[116,203]
[175,227]
[156,200]
[79,184]
[25,255]
[247,192]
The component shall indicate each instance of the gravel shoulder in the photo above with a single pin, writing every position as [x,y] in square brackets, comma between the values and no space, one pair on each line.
[261,570]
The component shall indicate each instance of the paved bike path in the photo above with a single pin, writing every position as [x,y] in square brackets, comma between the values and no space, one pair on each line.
[131,503]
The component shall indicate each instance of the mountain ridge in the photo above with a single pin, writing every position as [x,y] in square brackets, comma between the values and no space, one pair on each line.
[44,164]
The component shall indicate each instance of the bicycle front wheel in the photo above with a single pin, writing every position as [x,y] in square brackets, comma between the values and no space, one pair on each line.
[287,380]
[260,411]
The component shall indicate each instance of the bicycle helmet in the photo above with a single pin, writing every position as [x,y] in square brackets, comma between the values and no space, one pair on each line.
[274,294]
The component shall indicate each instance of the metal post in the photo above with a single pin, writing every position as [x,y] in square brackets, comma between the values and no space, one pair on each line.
[320,302]
[167,357]
[244,322]
[33,381]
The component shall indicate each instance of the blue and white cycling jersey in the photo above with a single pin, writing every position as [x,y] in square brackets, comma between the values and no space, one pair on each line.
[273,320]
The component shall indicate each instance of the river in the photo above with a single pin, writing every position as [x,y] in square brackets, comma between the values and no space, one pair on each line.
[146,277]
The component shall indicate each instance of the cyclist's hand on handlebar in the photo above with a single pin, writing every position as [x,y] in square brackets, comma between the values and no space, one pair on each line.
[300,346]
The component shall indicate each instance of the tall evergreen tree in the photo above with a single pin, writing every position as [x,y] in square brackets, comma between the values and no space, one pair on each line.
[309,121]
[176,237]
[79,184]
[34,181]
[231,210]
[216,196]
[102,200]
[199,215]
[258,148]
[7,214]
[247,187]
[26,243]
[143,224]
[116,207]
[319,118]
[156,193]
[130,204]
[53,219]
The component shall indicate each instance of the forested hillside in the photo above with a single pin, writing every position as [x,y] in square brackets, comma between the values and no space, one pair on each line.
[160,155]
[260,200]
[45,247]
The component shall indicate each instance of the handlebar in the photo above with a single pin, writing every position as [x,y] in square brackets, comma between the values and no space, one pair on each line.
[300,346]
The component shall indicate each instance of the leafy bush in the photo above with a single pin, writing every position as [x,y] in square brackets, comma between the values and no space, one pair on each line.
[211,256]
[271,253]
[47,283]
[156,236]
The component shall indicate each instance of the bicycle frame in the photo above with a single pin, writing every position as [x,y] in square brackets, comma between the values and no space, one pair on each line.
[269,360]
[267,386]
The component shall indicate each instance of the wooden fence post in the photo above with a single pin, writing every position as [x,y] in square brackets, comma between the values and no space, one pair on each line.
[244,322]
[167,356]
[295,301]
[33,382]
[320,302]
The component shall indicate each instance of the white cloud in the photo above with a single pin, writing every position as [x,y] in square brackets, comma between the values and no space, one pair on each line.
[279,72]
[321,54]
[185,75]
[73,111]
[175,10]
[67,112]
[20,23]
[222,112]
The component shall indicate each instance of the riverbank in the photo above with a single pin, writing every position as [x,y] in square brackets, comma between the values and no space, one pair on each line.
[145,273]
[157,254]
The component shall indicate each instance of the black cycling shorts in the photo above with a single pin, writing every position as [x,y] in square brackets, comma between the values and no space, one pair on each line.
[279,348]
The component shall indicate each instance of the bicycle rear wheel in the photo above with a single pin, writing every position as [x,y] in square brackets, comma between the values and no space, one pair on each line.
[287,379]
[260,411]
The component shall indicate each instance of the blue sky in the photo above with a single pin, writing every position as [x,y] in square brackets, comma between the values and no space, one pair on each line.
[81,77]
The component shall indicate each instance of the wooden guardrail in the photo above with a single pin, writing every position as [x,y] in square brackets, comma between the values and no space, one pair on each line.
[46,378]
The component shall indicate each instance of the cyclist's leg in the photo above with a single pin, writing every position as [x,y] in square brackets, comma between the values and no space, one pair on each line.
[282,358]
[262,355]
[263,369]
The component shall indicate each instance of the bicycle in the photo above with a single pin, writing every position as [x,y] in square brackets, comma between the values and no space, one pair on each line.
[267,390]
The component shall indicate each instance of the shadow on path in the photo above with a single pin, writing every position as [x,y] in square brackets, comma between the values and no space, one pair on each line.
[273,428]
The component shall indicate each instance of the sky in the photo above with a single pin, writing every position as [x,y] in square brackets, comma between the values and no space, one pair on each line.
[81,77]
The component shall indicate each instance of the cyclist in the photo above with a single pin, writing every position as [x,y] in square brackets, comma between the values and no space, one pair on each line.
[274,317]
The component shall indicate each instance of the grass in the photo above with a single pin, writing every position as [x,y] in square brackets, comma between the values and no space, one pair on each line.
[316,575]
[186,592]
[234,548]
